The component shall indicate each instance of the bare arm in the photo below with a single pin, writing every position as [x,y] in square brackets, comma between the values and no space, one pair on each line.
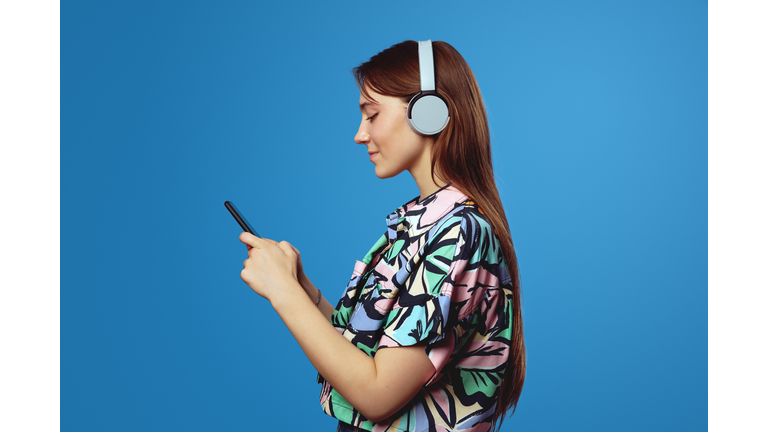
[378,387]
[375,387]
[326,308]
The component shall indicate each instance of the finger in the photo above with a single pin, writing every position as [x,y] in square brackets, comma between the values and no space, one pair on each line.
[270,241]
[253,252]
[296,251]
[249,239]
[287,248]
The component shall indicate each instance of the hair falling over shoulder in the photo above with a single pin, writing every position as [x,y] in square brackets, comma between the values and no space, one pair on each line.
[462,156]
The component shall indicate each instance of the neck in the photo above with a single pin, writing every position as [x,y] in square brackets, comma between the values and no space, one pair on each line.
[422,175]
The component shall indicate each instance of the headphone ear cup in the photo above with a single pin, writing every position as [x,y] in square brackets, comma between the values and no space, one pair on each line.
[427,114]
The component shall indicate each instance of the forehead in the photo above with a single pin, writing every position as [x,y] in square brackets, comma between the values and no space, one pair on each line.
[371,92]
[374,97]
[377,99]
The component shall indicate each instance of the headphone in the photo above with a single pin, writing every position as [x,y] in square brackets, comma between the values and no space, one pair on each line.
[427,111]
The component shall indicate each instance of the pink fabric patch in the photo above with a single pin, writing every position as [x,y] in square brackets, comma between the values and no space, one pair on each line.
[457,268]
[441,401]
[359,268]
[489,310]
[442,204]
[384,305]
[326,392]
[440,355]
[413,249]
[486,361]
[387,274]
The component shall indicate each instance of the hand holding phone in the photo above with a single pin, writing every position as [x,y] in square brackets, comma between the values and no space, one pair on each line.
[240,219]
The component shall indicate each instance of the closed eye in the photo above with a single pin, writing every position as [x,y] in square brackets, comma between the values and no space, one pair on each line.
[372,117]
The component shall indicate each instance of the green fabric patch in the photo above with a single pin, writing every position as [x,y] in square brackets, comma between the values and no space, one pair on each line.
[480,381]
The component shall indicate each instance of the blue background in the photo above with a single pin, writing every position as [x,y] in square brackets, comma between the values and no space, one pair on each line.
[598,113]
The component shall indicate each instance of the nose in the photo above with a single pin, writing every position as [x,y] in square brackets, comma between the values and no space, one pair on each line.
[362,136]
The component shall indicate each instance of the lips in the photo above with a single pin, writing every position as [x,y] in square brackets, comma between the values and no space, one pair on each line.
[372,155]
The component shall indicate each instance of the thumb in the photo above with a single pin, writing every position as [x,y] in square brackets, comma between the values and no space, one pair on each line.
[296,251]
[287,248]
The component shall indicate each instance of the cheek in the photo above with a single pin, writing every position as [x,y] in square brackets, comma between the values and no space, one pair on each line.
[389,133]
[380,136]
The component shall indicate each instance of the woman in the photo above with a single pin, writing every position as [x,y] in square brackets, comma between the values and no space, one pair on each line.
[428,335]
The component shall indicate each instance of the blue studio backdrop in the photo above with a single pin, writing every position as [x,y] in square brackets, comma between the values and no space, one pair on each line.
[598,113]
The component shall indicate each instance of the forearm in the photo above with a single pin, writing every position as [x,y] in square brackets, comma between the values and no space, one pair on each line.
[349,370]
[325,307]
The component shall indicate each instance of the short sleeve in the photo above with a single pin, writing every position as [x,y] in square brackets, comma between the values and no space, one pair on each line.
[426,308]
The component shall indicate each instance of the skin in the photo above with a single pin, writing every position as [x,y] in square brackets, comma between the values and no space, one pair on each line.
[384,129]
[377,387]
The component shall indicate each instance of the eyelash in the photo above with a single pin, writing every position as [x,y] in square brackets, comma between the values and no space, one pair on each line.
[372,117]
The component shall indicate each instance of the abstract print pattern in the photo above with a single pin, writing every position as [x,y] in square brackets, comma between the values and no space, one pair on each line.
[437,277]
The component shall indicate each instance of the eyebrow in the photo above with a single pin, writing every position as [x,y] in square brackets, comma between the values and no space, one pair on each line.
[366,103]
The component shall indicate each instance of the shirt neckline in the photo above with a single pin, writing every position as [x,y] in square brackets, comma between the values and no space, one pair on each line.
[419,201]
[399,215]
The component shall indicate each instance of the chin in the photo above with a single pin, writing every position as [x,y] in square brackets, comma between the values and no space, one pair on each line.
[384,174]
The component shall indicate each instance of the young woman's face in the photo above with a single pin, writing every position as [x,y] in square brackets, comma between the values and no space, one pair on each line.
[384,130]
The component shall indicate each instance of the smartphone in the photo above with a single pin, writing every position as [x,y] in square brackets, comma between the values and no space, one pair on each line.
[240,219]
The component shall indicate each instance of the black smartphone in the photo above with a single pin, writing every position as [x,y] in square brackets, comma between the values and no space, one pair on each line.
[240,219]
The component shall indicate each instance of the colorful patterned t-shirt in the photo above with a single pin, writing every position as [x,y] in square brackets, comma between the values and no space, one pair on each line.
[437,277]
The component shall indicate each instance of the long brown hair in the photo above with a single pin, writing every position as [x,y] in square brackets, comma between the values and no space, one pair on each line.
[461,155]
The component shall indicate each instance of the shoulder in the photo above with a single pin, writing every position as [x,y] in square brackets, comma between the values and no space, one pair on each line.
[473,233]
[468,220]
[477,224]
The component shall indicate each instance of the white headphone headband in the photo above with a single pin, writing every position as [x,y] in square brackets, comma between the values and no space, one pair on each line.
[426,66]
[427,111]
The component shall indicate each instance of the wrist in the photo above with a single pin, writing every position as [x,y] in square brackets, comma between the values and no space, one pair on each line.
[303,279]
[317,297]
[307,284]
[288,294]
[312,291]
